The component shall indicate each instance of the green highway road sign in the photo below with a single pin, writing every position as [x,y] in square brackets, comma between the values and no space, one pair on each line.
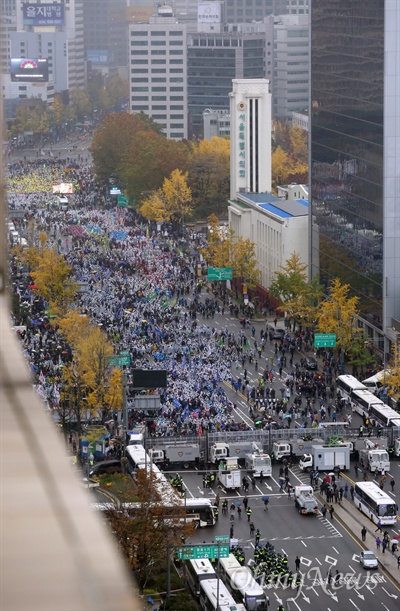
[219,273]
[122,201]
[325,340]
[197,552]
[221,539]
[124,353]
[118,360]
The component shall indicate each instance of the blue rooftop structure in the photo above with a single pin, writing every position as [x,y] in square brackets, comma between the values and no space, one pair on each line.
[284,208]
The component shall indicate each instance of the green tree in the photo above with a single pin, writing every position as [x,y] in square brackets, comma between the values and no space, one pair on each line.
[209,176]
[80,102]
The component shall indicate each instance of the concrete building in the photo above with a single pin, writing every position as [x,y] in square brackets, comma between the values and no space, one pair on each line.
[214,59]
[157,71]
[106,34]
[277,227]
[293,192]
[237,11]
[300,119]
[216,123]
[291,65]
[53,31]
[355,155]
[250,102]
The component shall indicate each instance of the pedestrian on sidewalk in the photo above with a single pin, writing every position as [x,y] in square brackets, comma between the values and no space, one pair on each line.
[378,543]
[363,533]
[392,482]
[324,510]
[379,526]
[331,511]
[384,545]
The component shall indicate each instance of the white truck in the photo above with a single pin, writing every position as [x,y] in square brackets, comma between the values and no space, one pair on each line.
[304,500]
[257,461]
[237,449]
[293,449]
[374,458]
[229,475]
[181,455]
[326,458]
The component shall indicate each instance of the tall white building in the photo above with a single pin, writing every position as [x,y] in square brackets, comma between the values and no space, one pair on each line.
[158,71]
[250,112]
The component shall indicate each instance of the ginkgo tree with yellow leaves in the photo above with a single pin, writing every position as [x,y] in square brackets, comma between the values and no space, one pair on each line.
[299,298]
[91,349]
[225,249]
[337,314]
[53,278]
[173,200]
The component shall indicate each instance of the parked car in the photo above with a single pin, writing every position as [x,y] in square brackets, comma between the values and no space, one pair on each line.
[278,333]
[368,560]
[311,363]
[106,466]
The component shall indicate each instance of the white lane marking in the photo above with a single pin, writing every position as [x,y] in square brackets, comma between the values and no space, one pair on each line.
[334,549]
[304,544]
[353,603]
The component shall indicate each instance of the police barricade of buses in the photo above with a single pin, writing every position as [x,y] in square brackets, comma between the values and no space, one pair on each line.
[236,590]
[366,403]
[197,510]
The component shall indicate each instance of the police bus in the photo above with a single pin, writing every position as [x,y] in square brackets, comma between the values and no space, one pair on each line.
[196,571]
[362,402]
[347,384]
[197,510]
[375,503]
[240,580]
[215,596]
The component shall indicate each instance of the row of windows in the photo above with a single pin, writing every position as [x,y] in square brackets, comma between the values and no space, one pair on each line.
[156,52]
[144,43]
[156,33]
[137,98]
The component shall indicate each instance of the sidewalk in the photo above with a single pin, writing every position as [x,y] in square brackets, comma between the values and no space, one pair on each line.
[354,521]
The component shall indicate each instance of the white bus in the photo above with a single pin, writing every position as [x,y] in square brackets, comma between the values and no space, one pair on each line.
[375,503]
[198,510]
[240,579]
[346,384]
[385,415]
[197,570]
[215,596]
[363,400]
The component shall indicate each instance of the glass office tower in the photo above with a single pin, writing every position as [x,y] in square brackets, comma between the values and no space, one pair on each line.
[355,150]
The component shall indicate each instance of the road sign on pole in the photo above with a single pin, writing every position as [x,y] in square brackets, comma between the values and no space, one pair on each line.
[122,201]
[118,360]
[197,552]
[221,539]
[325,340]
[219,273]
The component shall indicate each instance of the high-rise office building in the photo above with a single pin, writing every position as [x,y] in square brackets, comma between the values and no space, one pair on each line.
[355,153]
[214,59]
[157,71]
[105,33]
[291,65]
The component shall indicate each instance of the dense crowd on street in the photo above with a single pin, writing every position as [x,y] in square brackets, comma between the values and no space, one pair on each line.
[143,290]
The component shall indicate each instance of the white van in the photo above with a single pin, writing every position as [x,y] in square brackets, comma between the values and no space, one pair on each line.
[63,202]
[14,237]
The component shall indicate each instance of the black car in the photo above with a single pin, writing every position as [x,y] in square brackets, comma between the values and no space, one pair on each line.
[106,466]
[311,363]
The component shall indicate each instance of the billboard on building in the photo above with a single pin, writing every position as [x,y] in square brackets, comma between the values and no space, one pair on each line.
[98,58]
[209,12]
[29,70]
[43,14]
